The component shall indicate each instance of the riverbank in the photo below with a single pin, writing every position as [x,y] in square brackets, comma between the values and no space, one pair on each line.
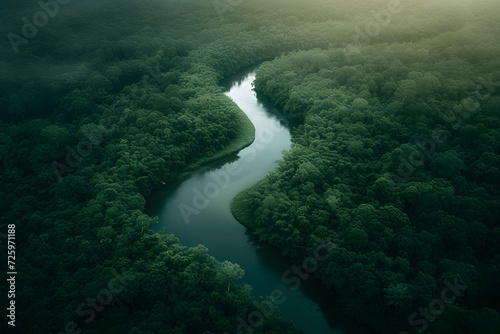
[241,212]
[245,137]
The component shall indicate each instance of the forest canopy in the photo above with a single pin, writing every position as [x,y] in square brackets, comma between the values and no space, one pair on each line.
[396,161]
[395,158]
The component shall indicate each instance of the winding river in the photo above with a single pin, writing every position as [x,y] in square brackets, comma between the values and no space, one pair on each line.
[196,209]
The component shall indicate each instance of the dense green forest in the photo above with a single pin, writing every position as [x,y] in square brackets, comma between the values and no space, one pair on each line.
[395,159]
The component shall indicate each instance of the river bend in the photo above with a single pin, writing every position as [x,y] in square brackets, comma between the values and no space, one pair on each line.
[196,209]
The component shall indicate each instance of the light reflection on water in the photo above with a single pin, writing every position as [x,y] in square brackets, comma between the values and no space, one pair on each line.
[206,194]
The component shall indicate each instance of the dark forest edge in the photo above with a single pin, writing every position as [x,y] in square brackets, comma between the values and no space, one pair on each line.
[134,102]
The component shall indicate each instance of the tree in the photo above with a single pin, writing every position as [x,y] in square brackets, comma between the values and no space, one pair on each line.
[446,164]
[356,238]
[229,273]
[398,295]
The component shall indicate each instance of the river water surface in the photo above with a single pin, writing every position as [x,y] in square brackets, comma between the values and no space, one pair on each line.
[196,209]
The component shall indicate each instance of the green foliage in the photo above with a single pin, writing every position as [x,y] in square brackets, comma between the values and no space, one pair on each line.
[388,159]
[125,96]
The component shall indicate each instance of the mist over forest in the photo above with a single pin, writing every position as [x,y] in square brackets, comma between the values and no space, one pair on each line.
[393,169]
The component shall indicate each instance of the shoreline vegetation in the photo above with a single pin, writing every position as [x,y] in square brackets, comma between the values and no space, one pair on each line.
[401,238]
[240,208]
[245,136]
